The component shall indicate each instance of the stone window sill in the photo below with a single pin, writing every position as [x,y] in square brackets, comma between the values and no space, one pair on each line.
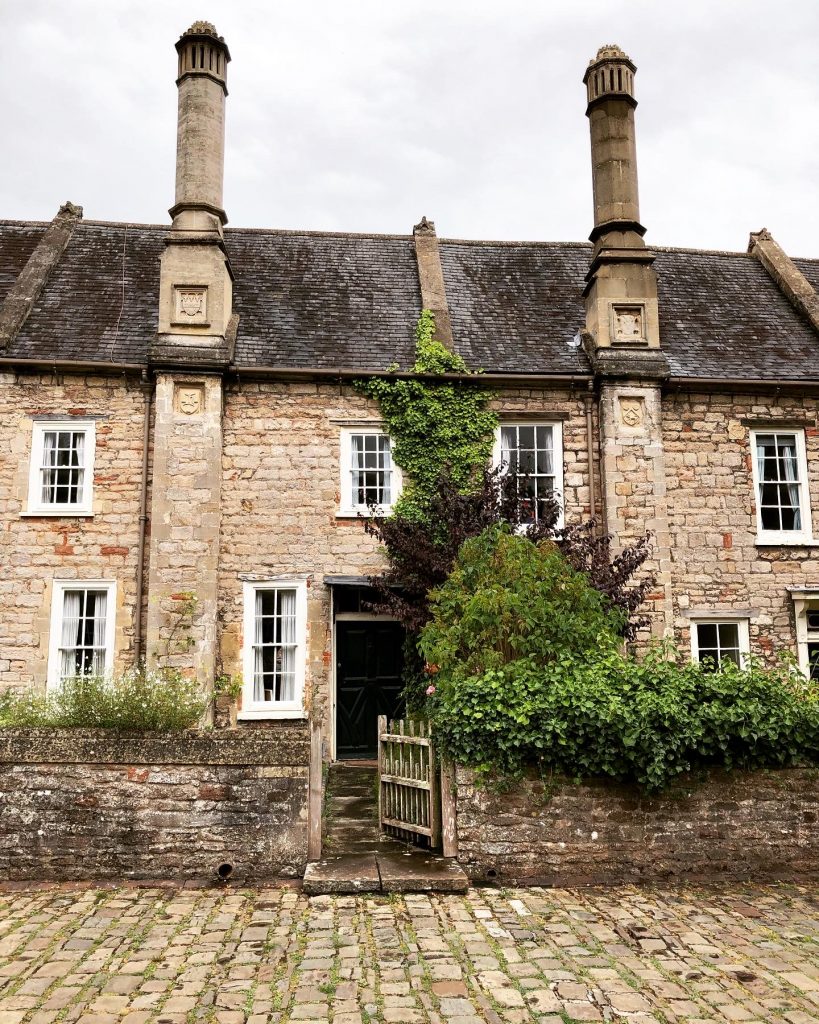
[354,513]
[806,542]
[56,514]
[255,716]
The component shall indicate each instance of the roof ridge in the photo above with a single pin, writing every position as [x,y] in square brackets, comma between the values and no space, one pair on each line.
[512,243]
[320,234]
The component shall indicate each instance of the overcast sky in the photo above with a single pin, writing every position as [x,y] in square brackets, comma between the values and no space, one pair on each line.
[362,115]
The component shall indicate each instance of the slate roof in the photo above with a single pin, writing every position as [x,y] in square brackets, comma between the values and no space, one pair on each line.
[810,268]
[323,300]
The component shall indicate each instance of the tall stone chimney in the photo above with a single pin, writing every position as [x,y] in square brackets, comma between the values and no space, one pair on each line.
[193,346]
[622,334]
[200,128]
[196,284]
[621,291]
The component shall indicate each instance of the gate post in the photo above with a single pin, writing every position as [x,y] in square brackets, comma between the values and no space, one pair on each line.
[314,793]
[449,820]
[382,729]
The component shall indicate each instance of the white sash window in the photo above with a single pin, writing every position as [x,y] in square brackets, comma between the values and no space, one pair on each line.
[369,476]
[275,627]
[781,484]
[62,468]
[533,452]
[82,630]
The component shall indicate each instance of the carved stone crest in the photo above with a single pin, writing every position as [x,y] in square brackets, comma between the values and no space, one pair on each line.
[628,324]
[190,304]
[190,399]
[631,412]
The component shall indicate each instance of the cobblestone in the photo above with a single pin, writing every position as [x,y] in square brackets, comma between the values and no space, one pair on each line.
[271,956]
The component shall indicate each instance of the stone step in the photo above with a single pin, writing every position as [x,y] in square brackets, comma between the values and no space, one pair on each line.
[389,871]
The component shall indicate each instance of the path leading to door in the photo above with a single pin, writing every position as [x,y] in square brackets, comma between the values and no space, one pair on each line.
[356,857]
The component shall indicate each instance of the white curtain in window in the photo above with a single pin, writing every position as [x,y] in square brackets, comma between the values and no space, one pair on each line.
[49,444]
[356,463]
[100,618]
[287,610]
[258,652]
[787,460]
[79,460]
[72,603]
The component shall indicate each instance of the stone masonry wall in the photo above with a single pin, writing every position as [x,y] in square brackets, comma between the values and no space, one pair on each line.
[84,805]
[185,512]
[281,492]
[716,563]
[34,550]
[762,824]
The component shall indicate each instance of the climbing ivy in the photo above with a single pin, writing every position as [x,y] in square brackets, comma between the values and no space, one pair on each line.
[434,424]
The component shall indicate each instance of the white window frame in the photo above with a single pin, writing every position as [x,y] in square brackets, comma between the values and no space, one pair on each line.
[268,709]
[557,446]
[59,588]
[36,505]
[780,537]
[743,634]
[347,508]
[805,601]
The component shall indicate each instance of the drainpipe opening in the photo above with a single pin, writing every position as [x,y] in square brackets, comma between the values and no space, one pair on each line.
[224,871]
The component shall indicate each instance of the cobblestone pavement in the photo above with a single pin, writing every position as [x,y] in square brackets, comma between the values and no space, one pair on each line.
[104,956]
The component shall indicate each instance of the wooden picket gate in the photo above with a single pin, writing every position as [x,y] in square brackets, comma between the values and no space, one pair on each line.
[410,785]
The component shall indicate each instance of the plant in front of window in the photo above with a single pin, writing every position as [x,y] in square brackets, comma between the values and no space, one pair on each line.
[139,699]
[530,671]
[421,559]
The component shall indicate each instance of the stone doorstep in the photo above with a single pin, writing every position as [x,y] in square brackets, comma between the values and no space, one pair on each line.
[384,872]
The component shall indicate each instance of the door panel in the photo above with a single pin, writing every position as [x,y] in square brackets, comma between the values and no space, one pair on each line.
[368,683]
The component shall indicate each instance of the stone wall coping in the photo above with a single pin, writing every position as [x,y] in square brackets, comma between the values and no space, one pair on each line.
[286,744]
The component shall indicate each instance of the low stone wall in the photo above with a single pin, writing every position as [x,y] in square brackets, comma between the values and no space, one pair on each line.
[761,824]
[94,804]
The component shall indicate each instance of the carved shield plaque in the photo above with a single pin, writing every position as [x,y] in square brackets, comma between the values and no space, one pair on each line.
[631,412]
[190,304]
[628,324]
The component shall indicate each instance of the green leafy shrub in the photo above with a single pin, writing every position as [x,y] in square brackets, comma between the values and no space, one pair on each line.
[139,699]
[527,667]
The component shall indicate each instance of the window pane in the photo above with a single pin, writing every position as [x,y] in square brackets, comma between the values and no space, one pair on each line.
[81,649]
[371,470]
[275,645]
[526,438]
[728,634]
[528,453]
[62,470]
[813,660]
[706,635]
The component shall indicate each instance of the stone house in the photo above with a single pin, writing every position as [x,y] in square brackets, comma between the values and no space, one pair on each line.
[179,416]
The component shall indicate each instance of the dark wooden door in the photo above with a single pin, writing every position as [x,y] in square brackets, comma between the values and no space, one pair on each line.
[369,659]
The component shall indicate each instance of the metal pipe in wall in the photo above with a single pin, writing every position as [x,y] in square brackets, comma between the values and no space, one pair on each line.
[148,390]
[589,401]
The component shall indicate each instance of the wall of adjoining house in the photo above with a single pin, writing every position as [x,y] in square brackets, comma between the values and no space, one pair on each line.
[38,549]
[716,563]
[725,826]
[89,805]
